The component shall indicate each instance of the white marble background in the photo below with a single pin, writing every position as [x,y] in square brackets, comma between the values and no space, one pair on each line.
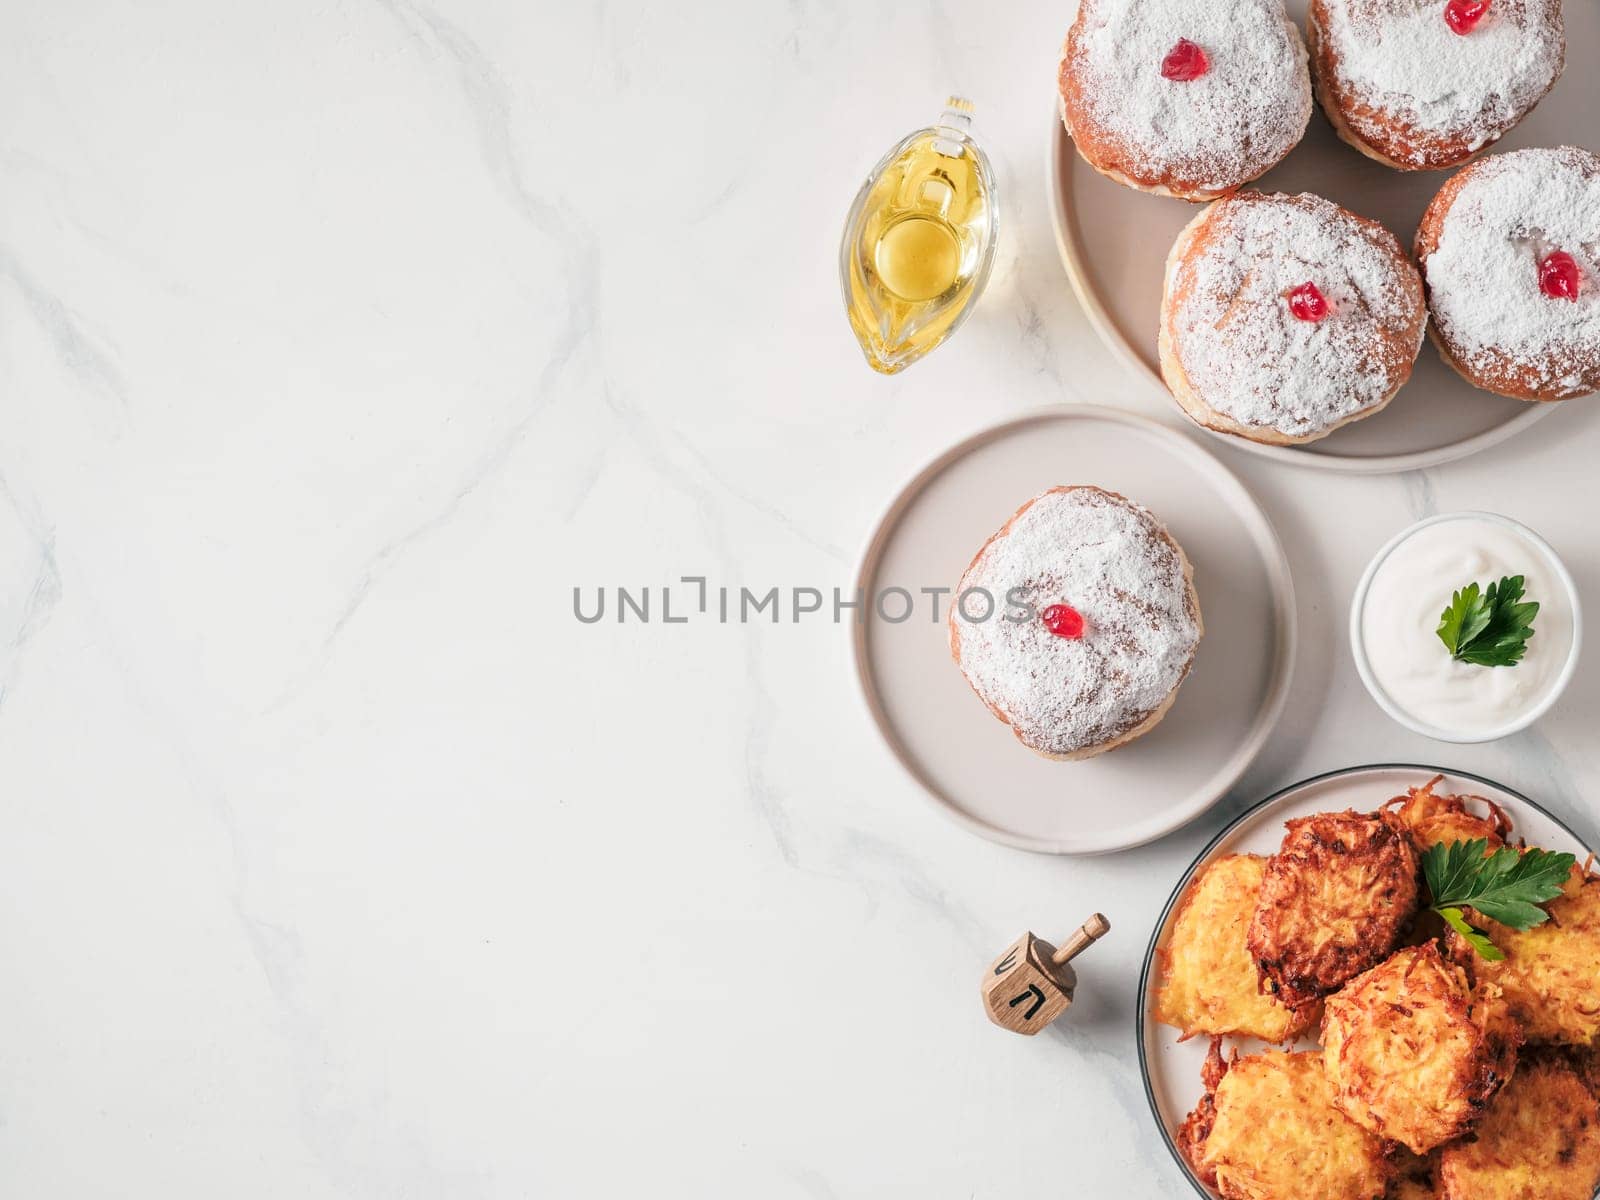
[338,341]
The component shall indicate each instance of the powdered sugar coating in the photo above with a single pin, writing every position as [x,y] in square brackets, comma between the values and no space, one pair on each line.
[1507,213]
[1425,95]
[1209,134]
[1243,351]
[1112,561]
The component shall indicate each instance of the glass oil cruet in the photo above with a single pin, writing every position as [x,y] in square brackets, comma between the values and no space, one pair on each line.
[919,241]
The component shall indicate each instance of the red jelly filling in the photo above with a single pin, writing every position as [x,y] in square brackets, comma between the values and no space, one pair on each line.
[1307,303]
[1185,61]
[1063,620]
[1463,15]
[1559,276]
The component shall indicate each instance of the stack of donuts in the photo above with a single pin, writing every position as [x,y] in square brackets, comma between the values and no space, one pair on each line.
[1284,317]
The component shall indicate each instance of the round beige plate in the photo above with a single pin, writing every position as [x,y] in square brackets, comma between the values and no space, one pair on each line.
[967,760]
[1114,242]
[1171,1068]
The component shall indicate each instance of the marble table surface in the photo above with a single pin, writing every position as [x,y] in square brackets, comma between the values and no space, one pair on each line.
[341,341]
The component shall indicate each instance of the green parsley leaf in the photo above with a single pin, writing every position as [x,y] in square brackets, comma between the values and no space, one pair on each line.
[1507,886]
[1489,628]
[1476,938]
[1463,620]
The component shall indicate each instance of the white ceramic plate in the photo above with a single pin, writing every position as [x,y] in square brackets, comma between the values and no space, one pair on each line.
[1171,1068]
[1117,269]
[968,761]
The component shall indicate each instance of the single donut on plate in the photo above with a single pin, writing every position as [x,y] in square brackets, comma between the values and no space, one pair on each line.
[1425,84]
[1510,253]
[1189,100]
[1285,317]
[1077,621]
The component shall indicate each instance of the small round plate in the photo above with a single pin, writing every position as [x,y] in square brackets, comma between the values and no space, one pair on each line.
[1114,242]
[966,759]
[1171,1068]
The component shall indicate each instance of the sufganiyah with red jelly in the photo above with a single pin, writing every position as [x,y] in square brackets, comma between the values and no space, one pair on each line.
[1510,253]
[1189,100]
[1427,84]
[1085,622]
[1285,317]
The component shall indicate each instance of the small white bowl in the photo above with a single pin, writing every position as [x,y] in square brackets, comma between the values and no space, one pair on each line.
[1523,720]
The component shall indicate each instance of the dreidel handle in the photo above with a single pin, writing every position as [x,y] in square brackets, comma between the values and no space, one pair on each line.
[1082,938]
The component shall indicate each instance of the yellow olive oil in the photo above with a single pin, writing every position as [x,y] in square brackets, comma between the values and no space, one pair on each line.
[919,242]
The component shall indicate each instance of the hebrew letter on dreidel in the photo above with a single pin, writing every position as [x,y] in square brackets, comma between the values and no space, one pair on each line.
[1034,974]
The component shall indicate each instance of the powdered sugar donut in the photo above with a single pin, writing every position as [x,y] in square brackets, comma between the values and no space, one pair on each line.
[1187,100]
[1424,84]
[1285,317]
[1091,626]
[1510,251]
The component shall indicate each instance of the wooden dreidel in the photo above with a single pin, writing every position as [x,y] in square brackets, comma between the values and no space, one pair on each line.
[1031,984]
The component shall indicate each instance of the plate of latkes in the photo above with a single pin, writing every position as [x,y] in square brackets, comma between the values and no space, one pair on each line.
[1114,240]
[1324,1012]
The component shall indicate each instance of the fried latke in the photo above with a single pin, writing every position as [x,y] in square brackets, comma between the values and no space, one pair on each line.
[1539,1140]
[1412,1053]
[1586,1062]
[1334,901]
[1429,819]
[1196,1127]
[1410,1187]
[1209,982]
[1551,973]
[1413,1179]
[1276,1135]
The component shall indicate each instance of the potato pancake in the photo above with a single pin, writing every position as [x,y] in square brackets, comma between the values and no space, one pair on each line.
[1430,820]
[1551,973]
[1275,1135]
[1196,1127]
[1413,1178]
[1409,1188]
[1412,1054]
[1586,1062]
[1540,1140]
[1334,901]
[1209,982]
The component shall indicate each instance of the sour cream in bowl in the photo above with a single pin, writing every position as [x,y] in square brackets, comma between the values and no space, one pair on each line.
[1454,695]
